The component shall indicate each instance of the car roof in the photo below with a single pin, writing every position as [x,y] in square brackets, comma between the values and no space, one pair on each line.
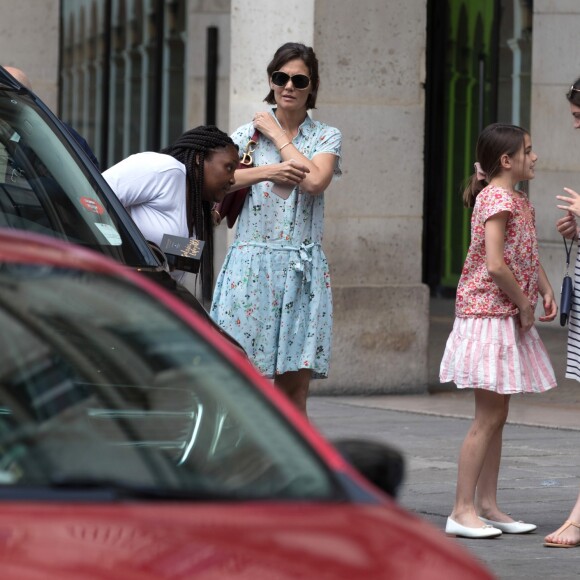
[29,247]
[26,247]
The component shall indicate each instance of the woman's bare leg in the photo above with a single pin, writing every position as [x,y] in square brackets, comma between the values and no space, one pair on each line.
[490,416]
[570,534]
[295,384]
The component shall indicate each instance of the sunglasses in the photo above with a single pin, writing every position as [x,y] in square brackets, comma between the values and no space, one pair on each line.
[572,91]
[300,82]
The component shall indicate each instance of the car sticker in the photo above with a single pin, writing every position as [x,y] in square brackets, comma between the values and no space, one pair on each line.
[92,205]
[110,233]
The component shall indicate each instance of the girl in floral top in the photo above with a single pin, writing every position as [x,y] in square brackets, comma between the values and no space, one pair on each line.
[494,347]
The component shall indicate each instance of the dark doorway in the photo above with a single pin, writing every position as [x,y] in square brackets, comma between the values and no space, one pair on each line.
[478,72]
[461,98]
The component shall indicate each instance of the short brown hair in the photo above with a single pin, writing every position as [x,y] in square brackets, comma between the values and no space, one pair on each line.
[292,51]
[494,141]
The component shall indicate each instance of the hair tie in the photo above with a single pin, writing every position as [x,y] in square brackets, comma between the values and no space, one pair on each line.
[479,172]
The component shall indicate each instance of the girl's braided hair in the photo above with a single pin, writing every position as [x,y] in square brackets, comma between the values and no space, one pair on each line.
[191,149]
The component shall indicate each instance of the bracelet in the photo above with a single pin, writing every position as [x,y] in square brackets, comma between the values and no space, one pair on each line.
[283,133]
[287,143]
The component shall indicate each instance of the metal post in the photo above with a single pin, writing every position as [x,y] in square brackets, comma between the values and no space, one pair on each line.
[211,75]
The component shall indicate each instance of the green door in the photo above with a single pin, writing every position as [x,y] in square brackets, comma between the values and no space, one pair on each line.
[469,80]
[478,71]
[461,100]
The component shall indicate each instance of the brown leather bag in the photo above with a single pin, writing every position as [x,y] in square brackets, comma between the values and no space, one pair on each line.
[232,204]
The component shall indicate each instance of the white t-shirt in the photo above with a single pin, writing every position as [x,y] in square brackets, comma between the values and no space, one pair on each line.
[152,188]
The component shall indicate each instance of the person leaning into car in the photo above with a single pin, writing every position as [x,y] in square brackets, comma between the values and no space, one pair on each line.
[172,191]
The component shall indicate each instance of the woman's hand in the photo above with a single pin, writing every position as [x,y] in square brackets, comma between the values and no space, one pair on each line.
[266,124]
[547,293]
[550,308]
[320,169]
[289,172]
[567,226]
[573,201]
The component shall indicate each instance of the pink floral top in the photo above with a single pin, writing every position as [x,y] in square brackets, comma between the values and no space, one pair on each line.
[478,296]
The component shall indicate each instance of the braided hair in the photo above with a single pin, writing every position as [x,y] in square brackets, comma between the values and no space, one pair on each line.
[191,149]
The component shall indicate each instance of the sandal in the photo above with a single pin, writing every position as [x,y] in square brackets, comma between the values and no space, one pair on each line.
[565,526]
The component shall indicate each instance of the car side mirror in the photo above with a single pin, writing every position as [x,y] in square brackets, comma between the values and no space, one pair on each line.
[159,254]
[381,464]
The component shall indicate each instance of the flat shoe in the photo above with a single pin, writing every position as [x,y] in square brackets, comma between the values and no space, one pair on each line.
[511,527]
[452,528]
[567,523]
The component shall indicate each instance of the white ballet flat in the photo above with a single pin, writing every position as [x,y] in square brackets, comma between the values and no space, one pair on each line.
[452,528]
[511,527]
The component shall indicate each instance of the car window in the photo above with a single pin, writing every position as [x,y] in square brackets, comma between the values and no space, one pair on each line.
[100,383]
[45,189]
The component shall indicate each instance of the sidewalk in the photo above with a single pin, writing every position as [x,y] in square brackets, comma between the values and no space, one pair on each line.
[538,479]
[558,408]
[540,472]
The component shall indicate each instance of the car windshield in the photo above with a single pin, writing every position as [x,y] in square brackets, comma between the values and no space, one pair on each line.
[45,188]
[102,385]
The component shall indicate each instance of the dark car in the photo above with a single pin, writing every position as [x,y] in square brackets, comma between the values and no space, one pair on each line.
[137,443]
[48,185]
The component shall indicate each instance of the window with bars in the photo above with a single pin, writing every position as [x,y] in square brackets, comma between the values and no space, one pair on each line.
[122,73]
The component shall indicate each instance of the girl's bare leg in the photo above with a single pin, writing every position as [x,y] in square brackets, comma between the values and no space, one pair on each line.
[486,491]
[490,416]
[295,384]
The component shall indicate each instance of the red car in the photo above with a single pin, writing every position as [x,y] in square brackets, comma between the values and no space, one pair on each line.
[137,443]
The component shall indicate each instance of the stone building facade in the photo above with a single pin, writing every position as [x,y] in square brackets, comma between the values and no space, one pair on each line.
[377,78]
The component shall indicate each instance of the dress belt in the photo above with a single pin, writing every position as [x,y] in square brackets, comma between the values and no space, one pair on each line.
[304,262]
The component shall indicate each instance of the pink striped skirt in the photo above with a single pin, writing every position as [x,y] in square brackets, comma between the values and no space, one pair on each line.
[494,354]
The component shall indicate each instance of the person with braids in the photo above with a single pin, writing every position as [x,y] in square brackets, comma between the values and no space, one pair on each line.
[172,192]
[273,293]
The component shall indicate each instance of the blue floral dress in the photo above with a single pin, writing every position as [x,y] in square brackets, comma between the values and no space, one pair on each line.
[273,293]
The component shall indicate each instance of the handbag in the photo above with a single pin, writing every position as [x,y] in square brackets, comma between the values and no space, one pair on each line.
[232,204]
[567,289]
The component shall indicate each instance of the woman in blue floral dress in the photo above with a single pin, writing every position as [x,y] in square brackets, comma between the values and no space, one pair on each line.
[273,293]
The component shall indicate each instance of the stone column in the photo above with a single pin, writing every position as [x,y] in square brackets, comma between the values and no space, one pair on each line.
[201,16]
[257,29]
[371,66]
[29,40]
